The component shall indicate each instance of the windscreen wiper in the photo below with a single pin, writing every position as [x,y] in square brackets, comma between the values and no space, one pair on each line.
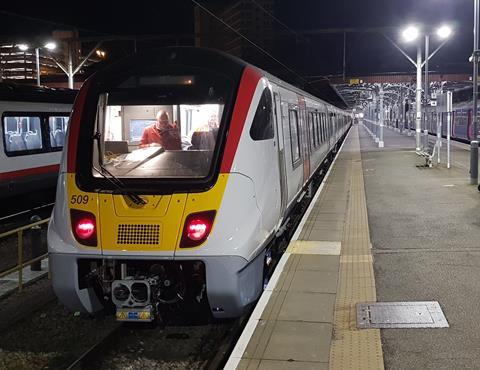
[115,181]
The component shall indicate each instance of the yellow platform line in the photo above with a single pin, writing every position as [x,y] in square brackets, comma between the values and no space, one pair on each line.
[352,348]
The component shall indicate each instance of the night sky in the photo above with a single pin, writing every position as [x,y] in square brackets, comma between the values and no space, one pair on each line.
[314,55]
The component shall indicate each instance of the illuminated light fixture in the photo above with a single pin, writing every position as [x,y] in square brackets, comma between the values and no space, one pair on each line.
[22,47]
[410,33]
[197,228]
[84,227]
[444,32]
[100,53]
[50,46]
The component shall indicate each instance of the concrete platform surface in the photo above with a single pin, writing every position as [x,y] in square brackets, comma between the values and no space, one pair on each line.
[306,317]
[425,231]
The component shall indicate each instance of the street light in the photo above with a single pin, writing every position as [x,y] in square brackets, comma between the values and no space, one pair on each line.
[410,33]
[50,45]
[444,32]
[23,47]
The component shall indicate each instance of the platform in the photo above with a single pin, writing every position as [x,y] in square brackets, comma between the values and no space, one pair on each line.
[306,316]
[382,227]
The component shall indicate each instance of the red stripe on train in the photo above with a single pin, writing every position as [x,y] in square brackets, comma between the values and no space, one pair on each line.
[74,129]
[29,172]
[248,84]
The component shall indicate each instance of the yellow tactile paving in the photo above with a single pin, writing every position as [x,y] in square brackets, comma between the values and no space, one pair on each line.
[352,348]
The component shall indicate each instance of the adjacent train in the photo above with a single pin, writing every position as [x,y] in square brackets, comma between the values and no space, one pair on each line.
[140,226]
[34,124]
[461,117]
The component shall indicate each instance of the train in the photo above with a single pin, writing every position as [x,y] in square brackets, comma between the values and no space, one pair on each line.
[461,117]
[139,227]
[34,124]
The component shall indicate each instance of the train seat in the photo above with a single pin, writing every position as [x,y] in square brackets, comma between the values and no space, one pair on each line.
[203,140]
[59,137]
[33,141]
[16,143]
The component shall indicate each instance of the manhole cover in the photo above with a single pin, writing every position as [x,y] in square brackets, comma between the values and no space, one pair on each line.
[384,315]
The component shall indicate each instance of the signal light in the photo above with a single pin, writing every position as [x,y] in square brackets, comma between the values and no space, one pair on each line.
[197,228]
[84,227]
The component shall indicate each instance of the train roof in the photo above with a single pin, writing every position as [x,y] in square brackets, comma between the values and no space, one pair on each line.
[36,94]
[223,62]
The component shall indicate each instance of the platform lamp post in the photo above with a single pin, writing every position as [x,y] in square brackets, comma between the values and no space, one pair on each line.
[475,57]
[49,46]
[410,34]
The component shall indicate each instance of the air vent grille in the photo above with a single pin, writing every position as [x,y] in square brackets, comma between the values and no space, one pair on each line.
[138,234]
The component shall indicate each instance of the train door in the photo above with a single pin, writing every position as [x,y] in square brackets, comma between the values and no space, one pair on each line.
[305,138]
[277,112]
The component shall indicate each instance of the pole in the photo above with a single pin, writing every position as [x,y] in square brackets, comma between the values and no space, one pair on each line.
[449,123]
[427,53]
[380,141]
[70,66]
[418,98]
[474,142]
[344,54]
[37,61]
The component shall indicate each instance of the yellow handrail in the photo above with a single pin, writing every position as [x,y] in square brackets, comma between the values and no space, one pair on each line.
[20,263]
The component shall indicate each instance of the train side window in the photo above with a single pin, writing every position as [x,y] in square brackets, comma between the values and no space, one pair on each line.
[311,129]
[22,134]
[317,132]
[294,138]
[262,125]
[58,129]
[322,127]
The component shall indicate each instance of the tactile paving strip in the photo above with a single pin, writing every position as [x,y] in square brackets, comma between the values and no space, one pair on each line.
[352,348]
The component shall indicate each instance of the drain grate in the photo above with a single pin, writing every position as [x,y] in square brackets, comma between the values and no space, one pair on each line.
[391,315]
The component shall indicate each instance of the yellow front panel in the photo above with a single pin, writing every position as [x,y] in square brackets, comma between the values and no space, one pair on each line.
[154,227]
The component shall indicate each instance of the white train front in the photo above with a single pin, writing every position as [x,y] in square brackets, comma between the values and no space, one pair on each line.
[140,226]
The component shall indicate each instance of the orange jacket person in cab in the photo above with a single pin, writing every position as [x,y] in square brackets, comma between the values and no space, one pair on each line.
[161,133]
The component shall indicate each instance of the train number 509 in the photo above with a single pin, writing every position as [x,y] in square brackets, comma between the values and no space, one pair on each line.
[79,199]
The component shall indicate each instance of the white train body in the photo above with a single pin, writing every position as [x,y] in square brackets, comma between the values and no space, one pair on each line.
[34,123]
[206,228]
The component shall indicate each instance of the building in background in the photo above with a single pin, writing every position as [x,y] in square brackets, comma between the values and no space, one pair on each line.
[250,18]
[20,65]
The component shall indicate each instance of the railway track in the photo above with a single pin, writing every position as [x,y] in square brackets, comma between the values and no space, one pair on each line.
[23,217]
[177,345]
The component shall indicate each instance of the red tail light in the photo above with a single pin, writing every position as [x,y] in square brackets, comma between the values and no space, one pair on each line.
[197,228]
[84,226]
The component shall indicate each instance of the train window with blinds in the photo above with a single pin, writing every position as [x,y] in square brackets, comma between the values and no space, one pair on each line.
[262,125]
[294,136]
[311,129]
[317,128]
[322,127]
[22,134]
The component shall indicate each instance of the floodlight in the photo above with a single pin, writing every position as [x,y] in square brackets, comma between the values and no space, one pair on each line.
[50,45]
[410,33]
[444,32]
